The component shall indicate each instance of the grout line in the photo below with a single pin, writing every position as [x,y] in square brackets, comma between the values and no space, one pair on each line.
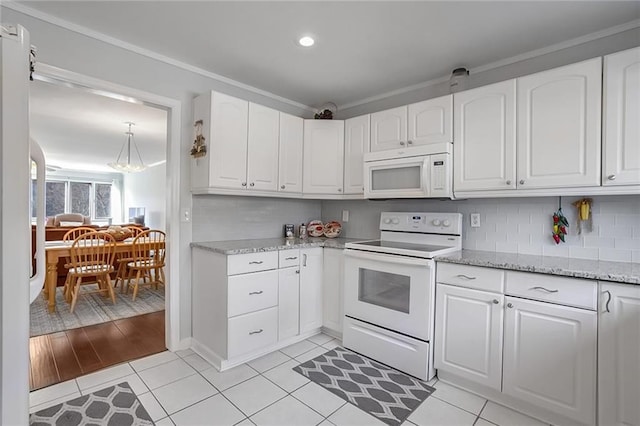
[433,395]
[314,410]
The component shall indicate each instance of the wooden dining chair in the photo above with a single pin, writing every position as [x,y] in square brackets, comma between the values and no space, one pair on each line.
[148,260]
[122,272]
[92,255]
[69,237]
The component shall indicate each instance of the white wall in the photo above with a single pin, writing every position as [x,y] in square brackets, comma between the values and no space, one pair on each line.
[515,225]
[147,189]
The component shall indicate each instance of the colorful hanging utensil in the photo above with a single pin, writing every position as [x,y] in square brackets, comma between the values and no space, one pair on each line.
[560,225]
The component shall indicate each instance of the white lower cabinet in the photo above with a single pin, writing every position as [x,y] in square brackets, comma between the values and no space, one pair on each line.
[537,356]
[619,355]
[310,289]
[469,334]
[550,357]
[288,302]
[252,331]
[332,288]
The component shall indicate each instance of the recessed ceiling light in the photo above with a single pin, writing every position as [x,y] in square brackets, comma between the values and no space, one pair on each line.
[306,41]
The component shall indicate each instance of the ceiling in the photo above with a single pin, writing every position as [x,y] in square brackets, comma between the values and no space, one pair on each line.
[362,49]
[80,130]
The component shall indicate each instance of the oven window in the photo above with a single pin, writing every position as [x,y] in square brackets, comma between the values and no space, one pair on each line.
[384,289]
[396,178]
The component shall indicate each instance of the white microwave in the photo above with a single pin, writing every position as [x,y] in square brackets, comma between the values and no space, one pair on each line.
[416,172]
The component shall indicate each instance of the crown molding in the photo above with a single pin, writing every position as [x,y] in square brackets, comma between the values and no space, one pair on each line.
[508,61]
[21,8]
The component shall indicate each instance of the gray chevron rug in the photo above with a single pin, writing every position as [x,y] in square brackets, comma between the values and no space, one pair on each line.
[381,391]
[113,406]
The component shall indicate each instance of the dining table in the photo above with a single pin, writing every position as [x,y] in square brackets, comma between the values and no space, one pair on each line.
[56,250]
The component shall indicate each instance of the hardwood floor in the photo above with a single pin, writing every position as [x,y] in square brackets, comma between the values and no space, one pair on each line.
[65,355]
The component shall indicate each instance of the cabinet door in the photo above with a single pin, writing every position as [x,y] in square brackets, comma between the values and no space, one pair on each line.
[619,355]
[484,150]
[288,302]
[290,163]
[559,126]
[229,119]
[323,156]
[469,334]
[550,357]
[310,289]
[356,144]
[332,299]
[430,121]
[389,129]
[621,145]
[262,154]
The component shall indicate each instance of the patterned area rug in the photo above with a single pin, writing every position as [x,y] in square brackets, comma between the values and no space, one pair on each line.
[92,309]
[115,405]
[377,389]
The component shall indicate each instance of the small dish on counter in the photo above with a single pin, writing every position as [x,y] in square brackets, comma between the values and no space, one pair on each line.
[332,229]
[315,228]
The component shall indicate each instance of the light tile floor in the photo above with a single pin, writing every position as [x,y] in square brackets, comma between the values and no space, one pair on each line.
[181,388]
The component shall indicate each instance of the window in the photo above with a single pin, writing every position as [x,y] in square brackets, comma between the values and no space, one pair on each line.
[92,199]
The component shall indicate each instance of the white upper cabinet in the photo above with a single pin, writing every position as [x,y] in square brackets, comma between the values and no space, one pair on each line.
[621,145]
[356,144]
[430,121]
[484,149]
[558,119]
[619,355]
[323,156]
[262,153]
[228,145]
[290,152]
[389,129]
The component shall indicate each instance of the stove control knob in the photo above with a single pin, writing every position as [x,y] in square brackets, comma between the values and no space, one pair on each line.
[387,221]
[436,222]
[395,221]
[446,223]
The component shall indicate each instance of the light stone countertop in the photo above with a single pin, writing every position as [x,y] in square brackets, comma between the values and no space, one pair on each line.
[270,244]
[622,272]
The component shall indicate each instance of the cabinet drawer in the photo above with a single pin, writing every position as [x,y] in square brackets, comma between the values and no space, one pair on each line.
[251,262]
[289,258]
[477,277]
[252,331]
[252,292]
[561,290]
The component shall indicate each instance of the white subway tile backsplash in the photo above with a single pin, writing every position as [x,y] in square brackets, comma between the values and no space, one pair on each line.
[486,245]
[626,220]
[599,242]
[583,253]
[615,255]
[555,250]
[507,246]
[529,249]
[627,243]
[635,256]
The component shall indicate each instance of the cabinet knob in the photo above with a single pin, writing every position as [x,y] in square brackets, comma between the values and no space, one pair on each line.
[339,189]
[244,183]
[252,184]
[611,177]
[297,271]
[402,143]
[281,186]
[495,301]
[409,142]
[508,182]
[521,181]
[509,305]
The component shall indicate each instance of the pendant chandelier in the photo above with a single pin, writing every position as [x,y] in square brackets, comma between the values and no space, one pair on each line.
[126,164]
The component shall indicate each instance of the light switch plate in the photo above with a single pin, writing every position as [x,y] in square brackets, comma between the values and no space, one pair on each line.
[345,215]
[475,220]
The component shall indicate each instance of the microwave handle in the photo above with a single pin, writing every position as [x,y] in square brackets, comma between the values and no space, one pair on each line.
[377,257]
[426,176]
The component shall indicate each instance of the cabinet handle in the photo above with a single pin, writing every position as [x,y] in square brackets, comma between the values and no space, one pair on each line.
[606,306]
[508,182]
[611,177]
[304,260]
[466,277]
[256,262]
[244,183]
[339,189]
[509,305]
[409,142]
[252,184]
[290,258]
[281,186]
[297,271]
[521,181]
[401,143]
[255,292]
[543,289]
[495,301]
[256,332]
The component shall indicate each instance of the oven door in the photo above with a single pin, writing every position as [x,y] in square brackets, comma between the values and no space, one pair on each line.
[397,178]
[394,292]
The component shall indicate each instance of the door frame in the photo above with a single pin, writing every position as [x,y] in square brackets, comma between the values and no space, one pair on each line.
[173,107]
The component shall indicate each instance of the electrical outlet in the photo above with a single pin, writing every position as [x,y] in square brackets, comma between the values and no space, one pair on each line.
[345,215]
[185,215]
[475,220]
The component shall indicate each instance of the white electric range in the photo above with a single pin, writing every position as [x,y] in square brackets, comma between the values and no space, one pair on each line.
[390,289]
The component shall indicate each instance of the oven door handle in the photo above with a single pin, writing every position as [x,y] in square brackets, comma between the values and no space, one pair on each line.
[387,258]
